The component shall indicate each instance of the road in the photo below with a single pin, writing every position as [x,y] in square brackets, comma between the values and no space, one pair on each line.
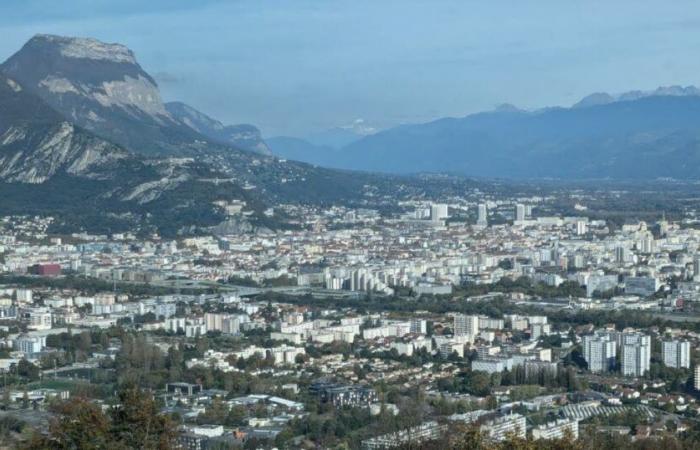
[677,317]
[76,366]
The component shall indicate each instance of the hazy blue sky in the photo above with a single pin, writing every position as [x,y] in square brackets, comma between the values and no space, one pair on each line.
[298,66]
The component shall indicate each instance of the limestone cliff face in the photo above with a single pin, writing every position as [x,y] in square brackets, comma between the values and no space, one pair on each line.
[65,70]
[100,87]
[85,136]
[35,154]
[37,143]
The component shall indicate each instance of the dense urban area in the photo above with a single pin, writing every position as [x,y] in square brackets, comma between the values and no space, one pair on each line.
[480,322]
[362,247]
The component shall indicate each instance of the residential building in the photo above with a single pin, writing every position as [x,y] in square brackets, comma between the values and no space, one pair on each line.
[465,325]
[501,428]
[30,345]
[556,430]
[599,351]
[409,437]
[482,215]
[676,354]
[341,395]
[636,354]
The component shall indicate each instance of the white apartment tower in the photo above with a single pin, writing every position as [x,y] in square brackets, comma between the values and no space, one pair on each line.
[620,254]
[636,354]
[599,351]
[647,243]
[482,216]
[438,211]
[419,326]
[466,325]
[676,354]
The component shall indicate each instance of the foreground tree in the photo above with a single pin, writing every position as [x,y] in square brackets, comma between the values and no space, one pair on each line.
[135,423]
[78,423]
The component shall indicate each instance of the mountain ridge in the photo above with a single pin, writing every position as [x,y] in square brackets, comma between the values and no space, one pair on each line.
[136,167]
[48,165]
[100,87]
[244,136]
[605,139]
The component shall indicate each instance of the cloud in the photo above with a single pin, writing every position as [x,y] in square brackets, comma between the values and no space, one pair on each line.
[164,77]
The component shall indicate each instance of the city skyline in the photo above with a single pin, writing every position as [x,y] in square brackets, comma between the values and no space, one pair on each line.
[174,276]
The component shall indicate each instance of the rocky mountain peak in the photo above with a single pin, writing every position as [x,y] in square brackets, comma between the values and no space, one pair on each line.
[84,48]
[595,99]
[98,86]
[68,71]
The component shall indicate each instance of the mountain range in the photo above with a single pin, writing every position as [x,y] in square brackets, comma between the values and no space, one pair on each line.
[318,148]
[635,135]
[51,166]
[85,137]
[102,88]
[244,136]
